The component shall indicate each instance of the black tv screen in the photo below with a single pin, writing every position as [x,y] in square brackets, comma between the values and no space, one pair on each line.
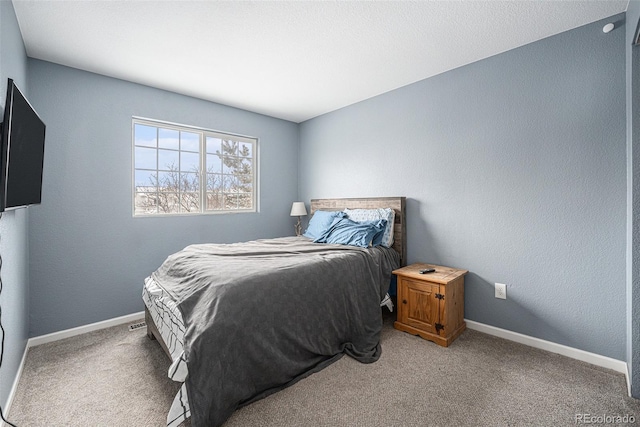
[22,152]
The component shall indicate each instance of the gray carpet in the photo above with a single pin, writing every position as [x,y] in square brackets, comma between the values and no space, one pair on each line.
[115,377]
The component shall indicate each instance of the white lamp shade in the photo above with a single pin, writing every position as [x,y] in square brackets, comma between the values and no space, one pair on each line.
[298,209]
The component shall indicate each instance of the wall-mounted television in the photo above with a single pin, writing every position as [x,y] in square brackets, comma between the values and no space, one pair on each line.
[21,152]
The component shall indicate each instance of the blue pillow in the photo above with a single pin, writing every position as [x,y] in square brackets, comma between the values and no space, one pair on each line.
[343,231]
[378,238]
[320,222]
[389,214]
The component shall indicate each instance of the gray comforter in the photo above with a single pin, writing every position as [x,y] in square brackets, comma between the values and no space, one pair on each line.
[261,315]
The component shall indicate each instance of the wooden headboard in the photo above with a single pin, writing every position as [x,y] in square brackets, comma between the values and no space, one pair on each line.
[395,203]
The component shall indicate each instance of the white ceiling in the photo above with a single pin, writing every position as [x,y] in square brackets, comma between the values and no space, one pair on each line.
[293,60]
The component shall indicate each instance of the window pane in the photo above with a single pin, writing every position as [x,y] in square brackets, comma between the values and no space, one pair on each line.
[190,141]
[229,182]
[146,203]
[244,166]
[145,158]
[214,164]
[189,162]
[229,147]
[169,139]
[168,160]
[214,201]
[231,201]
[189,182]
[245,182]
[213,145]
[246,149]
[168,203]
[214,182]
[146,180]
[245,201]
[190,202]
[145,135]
[234,165]
[168,181]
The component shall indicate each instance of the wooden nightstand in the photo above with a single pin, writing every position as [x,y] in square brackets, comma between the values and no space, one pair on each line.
[431,305]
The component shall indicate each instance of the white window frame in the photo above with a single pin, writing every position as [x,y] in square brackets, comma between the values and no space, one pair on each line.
[203,134]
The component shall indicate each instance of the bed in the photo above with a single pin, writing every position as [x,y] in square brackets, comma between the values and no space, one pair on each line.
[242,321]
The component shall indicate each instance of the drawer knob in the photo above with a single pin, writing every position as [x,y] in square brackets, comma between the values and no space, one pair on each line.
[404,301]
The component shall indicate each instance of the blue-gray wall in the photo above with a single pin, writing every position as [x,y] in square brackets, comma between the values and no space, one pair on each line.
[633,204]
[515,169]
[88,255]
[14,227]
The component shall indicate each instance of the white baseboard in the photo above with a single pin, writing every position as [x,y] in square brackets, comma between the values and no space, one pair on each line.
[574,353]
[55,336]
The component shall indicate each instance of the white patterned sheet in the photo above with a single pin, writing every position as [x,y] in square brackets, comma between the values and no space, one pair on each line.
[168,320]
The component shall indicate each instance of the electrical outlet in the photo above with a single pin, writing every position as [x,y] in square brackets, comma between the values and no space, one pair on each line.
[501,291]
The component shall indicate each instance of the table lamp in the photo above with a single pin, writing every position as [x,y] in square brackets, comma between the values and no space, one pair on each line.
[298,209]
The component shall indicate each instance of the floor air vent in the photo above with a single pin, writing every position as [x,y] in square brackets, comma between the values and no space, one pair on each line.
[137,326]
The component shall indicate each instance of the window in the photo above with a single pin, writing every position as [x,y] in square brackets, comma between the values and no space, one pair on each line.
[185,170]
